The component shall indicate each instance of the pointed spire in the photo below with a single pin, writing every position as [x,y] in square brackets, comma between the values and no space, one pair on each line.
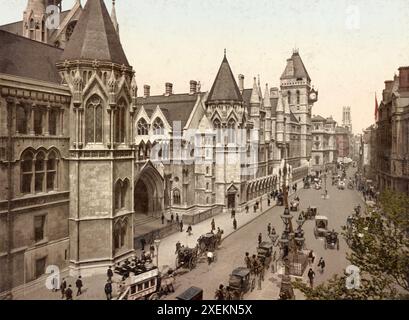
[255,93]
[224,86]
[267,102]
[94,37]
[112,81]
[295,68]
[259,88]
[114,19]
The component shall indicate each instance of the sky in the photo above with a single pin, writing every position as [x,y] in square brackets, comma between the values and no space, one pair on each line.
[349,47]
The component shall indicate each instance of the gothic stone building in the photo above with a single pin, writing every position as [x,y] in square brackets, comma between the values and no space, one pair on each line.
[84,160]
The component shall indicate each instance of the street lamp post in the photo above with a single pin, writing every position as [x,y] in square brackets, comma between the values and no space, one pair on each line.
[157,243]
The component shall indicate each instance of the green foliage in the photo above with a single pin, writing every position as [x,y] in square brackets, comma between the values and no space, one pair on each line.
[379,246]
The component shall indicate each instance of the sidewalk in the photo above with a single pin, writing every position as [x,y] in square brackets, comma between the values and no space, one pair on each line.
[94,285]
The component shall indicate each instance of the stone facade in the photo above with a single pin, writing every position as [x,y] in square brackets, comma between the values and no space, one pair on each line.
[324,153]
[82,156]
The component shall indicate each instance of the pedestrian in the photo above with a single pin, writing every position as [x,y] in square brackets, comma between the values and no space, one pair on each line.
[189,230]
[234,224]
[209,257]
[178,246]
[311,257]
[269,228]
[233,213]
[268,202]
[108,289]
[255,208]
[247,208]
[63,287]
[152,250]
[54,283]
[213,225]
[311,276]
[177,218]
[247,261]
[260,238]
[181,225]
[219,293]
[143,243]
[172,218]
[68,293]
[79,285]
[321,265]
[163,218]
[110,274]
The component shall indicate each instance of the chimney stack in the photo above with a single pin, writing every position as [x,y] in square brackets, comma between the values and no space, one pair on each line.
[193,86]
[146,91]
[404,79]
[168,89]
[274,92]
[241,82]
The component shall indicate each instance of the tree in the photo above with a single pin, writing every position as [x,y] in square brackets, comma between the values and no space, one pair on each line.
[379,244]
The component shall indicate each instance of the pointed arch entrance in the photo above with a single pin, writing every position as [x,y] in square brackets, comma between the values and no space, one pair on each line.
[149,191]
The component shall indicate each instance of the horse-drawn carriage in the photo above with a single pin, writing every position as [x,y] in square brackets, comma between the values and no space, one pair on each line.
[280,200]
[321,227]
[208,242]
[186,258]
[310,213]
[265,253]
[142,286]
[306,184]
[331,240]
[240,282]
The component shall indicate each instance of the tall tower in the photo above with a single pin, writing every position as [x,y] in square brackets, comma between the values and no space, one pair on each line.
[34,21]
[301,96]
[101,156]
[346,118]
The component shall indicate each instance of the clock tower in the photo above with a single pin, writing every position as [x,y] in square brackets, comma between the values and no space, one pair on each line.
[301,96]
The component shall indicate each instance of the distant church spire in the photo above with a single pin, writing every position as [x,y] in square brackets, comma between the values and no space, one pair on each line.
[114,19]
[34,21]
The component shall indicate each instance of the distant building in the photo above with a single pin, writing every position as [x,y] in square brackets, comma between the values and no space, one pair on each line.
[324,152]
[342,137]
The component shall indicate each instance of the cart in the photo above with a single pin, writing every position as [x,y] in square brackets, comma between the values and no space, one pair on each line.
[191,294]
[208,242]
[240,282]
[186,258]
[331,240]
[144,286]
[321,227]
[311,213]
[264,253]
[294,205]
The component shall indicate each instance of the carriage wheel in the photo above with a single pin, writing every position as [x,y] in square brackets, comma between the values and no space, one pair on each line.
[154,296]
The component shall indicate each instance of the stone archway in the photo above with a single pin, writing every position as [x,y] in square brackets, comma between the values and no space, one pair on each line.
[149,192]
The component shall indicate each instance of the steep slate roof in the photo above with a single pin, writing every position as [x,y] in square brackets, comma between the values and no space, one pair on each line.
[20,56]
[318,118]
[175,107]
[299,69]
[246,95]
[293,118]
[225,86]
[94,36]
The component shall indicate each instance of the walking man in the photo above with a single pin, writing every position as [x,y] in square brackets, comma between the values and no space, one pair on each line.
[260,238]
[152,250]
[234,224]
[108,289]
[321,264]
[172,218]
[247,261]
[213,225]
[311,276]
[177,218]
[79,285]
[247,208]
[110,274]
[233,213]
[181,226]
[269,228]
[68,293]
[143,243]
[163,218]
[63,287]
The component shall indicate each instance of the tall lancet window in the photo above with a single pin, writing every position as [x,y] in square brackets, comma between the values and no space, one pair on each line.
[120,123]
[93,121]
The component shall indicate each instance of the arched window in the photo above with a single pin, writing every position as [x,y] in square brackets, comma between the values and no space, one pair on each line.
[93,121]
[52,122]
[32,29]
[298,97]
[158,127]
[218,126]
[231,126]
[21,119]
[26,167]
[142,127]
[39,172]
[141,153]
[207,170]
[51,171]
[176,196]
[289,97]
[124,226]
[124,193]
[120,124]
[118,194]
[117,235]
